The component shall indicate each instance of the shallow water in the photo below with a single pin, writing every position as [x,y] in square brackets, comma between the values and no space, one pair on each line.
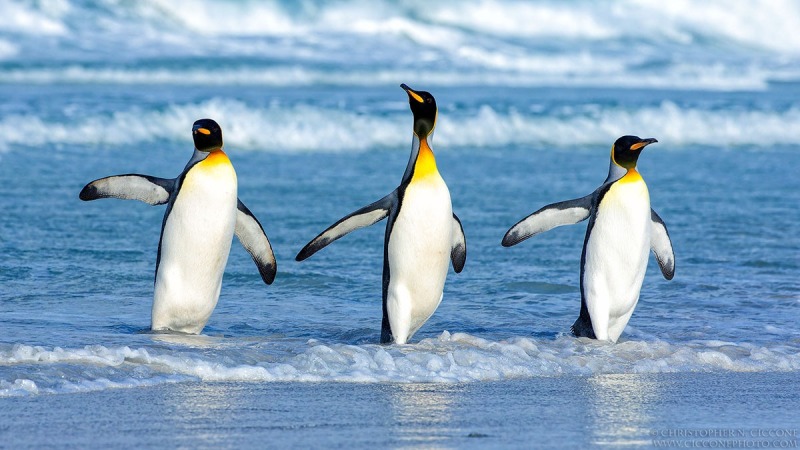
[616,411]
[523,121]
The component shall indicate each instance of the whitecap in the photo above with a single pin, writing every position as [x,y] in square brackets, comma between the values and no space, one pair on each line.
[306,128]
[448,358]
[46,18]
[487,67]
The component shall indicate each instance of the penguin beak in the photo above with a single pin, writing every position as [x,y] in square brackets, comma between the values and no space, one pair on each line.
[643,143]
[411,93]
[203,131]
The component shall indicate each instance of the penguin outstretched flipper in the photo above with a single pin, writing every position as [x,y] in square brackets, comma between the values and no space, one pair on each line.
[203,214]
[361,218]
[623,229]
[151,190]
[661,246]
[553,215]
[423,236]
[458,254]
[254,240]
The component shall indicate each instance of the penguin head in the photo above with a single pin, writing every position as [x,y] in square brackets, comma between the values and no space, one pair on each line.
[207,135]
[626,150]
[423,106]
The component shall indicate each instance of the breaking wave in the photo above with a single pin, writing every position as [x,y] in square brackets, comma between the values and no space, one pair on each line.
[306,128]
[448,358]
[714,45]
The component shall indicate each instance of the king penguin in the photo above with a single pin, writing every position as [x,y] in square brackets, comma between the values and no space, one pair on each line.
[422,233]
[203,213]
[622,229]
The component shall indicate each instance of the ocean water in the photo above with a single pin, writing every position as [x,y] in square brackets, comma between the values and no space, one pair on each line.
[531,96]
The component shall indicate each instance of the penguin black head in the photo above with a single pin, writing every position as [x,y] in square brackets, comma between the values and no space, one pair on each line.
[207,135]
[423,106]
[626,150]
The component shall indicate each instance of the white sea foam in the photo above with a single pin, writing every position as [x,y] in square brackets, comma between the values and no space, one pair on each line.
[220,18]
[304,128]
[7,49]
[45,19]
[712,45]
[491,68]
[18,387]
[449,358]
[301,128]
[672,124]
[750,23]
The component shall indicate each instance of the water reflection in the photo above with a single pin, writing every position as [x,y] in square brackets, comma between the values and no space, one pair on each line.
[188,340]
[201,412]
[620,406]
[423,414]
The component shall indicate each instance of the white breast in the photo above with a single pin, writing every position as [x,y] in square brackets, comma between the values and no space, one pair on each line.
[616,257]
[419,255]
[195,244]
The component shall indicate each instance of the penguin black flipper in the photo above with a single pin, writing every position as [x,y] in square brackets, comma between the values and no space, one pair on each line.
[553,215]
[458,254]
[151,190]
[662,246]
[254,240]
[361,218]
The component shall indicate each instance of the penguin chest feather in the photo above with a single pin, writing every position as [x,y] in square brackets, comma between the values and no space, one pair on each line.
[195,243]
[616,256]
[418,255]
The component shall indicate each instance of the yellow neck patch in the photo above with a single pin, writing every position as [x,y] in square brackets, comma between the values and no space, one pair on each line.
[426,163]
[631,177]
[215,158]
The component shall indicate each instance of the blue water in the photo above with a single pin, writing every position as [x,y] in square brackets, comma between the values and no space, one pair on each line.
[531,96]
